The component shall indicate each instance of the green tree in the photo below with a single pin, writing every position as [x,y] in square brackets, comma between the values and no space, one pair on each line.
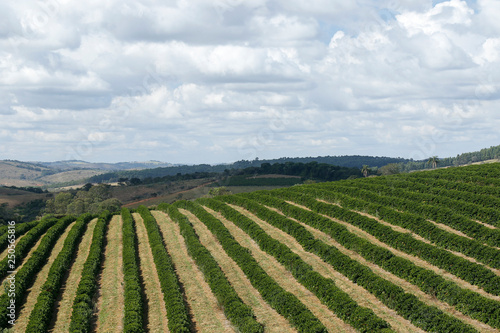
[434,160]
[94,200]
[390,169]
[77,207]
[365,170]
[87,187]
[113,205]
[217,191]
[5,213]
[60,203]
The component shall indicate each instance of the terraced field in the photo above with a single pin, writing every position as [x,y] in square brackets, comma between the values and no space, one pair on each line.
[417,252]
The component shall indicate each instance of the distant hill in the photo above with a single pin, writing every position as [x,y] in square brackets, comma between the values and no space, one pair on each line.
[74,172]
[354,161]
[18,173]
[76,164]
[349,161]
[486,154]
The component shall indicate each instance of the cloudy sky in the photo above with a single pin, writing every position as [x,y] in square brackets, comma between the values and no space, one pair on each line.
[196,81]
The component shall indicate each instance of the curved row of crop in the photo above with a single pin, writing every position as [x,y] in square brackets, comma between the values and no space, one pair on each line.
[439,209]
[285,303]
[361,318]
[26,275]
[13,233]
[134,309]
[408,306]
[42,313]
[238,313]
[177,312]
[452,185]
[466,301]
[83,306]
[372,203]
[482,176]
[471,272]
[23,247]
[486,205]
[3,229]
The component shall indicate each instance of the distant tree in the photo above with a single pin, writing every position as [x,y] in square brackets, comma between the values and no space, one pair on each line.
[94,200]
[77,207]
[365,170]
[390,169]
[60,203]
[217,191]
[87,187]
[434,160]
[135,181]
[113,205]
[5,213]
[100,192]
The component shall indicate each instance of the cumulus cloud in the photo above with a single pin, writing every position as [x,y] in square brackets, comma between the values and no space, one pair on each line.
[218,81]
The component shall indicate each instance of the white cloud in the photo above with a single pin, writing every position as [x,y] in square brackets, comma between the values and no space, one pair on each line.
[197,81]
[441,17]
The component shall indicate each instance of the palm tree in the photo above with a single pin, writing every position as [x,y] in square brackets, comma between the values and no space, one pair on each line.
[365,170]
[434,160]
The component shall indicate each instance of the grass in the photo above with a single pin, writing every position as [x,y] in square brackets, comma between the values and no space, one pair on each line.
[286,280]
[34,291]
[417,261]
[157,313]
[360,295]
[408,287]
[207,316]
[265,314]
[18,267]
[110,301]
[65,304]
[442,226]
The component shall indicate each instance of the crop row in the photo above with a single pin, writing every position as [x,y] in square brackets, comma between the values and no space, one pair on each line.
[12,234]
[451,185]
[177,313]
[238,313]
[26,275]
[427,317]
[133,316]
[457,184]
[16,254]
[363,319]
[483,175]
[471,272]
[42,313]
[450,212]
[466,301]
[83,306]
[486,203]
[372,203]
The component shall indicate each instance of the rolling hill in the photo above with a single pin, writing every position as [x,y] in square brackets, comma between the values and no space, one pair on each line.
[415,252]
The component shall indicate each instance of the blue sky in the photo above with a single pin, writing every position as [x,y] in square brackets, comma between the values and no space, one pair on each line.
[225,80]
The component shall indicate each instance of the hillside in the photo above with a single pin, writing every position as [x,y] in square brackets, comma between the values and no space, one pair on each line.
[407,253]
[353,161]
[76,164]
[15,173]
[22,174]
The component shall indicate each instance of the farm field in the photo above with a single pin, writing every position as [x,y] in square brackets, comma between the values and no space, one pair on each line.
[416,252]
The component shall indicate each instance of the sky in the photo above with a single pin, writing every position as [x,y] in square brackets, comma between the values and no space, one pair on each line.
[196,81]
